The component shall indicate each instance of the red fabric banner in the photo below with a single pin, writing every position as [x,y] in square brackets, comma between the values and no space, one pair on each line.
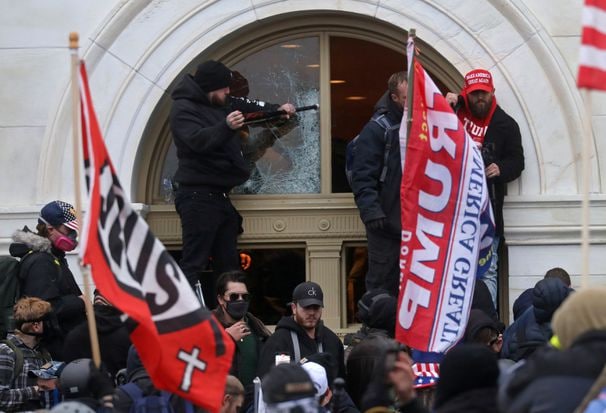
[592,58]
[182,346]
[447,222]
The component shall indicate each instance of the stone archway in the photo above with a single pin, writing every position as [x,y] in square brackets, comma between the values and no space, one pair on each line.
[145,45]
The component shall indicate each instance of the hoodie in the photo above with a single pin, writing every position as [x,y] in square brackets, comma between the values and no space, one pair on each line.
[209,152]
[280,342]
[114,340]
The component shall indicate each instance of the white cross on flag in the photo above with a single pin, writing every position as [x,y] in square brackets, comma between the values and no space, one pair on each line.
[592,59]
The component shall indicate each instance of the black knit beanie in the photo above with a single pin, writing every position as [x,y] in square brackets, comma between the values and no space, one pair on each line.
[466,367]
[212,75]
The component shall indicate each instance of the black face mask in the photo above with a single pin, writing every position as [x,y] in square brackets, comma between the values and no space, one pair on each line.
[236,309]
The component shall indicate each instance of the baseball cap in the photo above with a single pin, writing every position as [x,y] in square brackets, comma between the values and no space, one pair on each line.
[308,293]
[317,374]
[50,370]
[57,213]
[286,382]
[478,79]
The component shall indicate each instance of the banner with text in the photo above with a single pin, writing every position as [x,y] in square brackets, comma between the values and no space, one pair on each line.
[447,222]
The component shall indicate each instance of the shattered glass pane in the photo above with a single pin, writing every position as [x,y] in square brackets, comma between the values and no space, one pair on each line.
[284,156]
[285,159]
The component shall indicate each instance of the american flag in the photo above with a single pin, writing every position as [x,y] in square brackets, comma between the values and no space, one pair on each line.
[592,60]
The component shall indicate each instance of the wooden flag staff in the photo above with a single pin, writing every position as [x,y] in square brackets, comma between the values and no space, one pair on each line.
[76,136]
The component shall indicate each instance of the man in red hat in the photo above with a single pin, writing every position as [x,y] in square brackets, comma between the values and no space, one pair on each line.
[498,136]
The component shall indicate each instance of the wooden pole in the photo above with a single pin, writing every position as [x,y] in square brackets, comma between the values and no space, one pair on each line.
[586,178]
[90,315]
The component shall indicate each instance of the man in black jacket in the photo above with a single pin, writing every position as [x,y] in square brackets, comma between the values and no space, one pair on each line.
[303,333]
[204,122]
[498,136]
[377,196]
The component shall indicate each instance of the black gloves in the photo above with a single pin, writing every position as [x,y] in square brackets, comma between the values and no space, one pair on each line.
[100,382]
[376,224]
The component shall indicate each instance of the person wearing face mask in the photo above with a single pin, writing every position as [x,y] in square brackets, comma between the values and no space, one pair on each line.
[22,353]
[248,332]
[45,273]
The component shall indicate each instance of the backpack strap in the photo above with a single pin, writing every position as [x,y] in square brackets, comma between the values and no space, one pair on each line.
[18,358]
[384,123]
[297,347]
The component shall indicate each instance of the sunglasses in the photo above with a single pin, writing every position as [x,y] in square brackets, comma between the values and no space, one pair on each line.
[238,296]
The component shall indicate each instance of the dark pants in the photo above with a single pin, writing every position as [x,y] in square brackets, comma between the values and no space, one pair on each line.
[383,261]
[210,226]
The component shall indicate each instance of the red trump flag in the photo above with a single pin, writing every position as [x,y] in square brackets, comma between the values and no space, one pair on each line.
[447,224]
[182,346]
[592,59]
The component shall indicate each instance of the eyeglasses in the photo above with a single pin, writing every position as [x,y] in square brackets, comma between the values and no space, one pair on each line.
[238,296]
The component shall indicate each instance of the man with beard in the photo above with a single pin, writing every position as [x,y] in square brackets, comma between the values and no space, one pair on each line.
[248,332]
[376,172]
[303,333]
[498,136]
[204,122]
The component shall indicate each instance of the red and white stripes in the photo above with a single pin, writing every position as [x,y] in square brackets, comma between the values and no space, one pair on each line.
[592,59]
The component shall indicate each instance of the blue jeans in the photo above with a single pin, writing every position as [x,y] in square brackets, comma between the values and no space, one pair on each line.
[490,277]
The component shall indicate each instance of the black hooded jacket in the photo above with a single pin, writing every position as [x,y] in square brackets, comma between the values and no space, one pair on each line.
[209,152]
[280,342]
[374,200]
[46,275]
[114,340]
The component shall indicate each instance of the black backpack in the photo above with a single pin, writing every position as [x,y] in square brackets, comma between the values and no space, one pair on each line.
[350,151]
[9,292]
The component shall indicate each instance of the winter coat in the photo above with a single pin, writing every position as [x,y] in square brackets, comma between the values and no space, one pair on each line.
[482,400]
[556,381]
[533,328]
[46,275]
[374,200]
[209,152]
[504,140]
[260,334]
[280,342]
[114,340]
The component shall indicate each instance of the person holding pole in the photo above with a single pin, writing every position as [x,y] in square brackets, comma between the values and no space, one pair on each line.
[498,136]
[204,122]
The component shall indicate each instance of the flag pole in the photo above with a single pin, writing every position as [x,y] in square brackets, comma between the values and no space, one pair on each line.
[90,315]
[412,34]
[586,177]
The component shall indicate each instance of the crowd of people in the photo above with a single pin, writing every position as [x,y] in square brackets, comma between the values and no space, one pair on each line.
[549,359]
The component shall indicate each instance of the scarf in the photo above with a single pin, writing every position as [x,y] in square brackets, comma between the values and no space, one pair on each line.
[476,127]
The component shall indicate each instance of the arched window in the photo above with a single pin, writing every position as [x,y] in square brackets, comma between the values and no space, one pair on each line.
[299,215]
